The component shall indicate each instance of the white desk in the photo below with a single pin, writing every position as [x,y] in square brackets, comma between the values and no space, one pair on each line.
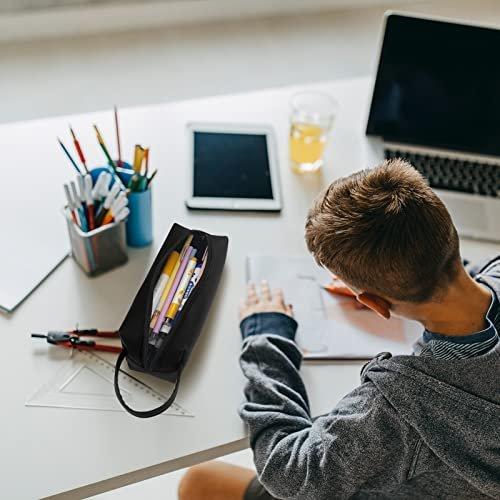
[51,451]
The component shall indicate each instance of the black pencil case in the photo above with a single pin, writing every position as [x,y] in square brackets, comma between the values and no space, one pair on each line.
[167,360]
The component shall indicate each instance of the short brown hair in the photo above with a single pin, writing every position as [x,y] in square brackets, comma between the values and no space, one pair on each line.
[384,230]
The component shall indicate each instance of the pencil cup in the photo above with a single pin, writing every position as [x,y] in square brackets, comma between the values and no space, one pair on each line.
[140,219]
[99,250]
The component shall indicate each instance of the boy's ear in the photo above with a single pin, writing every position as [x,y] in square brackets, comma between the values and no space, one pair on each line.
[375,303]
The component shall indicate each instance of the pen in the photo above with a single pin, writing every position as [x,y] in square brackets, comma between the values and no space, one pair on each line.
[197,273]
[70,158]
[79,150]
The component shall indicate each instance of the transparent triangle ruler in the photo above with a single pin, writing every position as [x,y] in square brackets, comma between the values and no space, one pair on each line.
[86,382]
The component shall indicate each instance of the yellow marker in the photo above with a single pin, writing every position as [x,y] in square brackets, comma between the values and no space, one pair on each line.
[163,280]
[179,294]
[171,279]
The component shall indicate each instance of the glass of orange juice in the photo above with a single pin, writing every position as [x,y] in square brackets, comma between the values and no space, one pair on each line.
[312,115]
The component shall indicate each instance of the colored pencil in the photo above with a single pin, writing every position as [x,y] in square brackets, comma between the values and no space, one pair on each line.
[151,177]
[79,150]
[103,147]
[70,158]
[118,138]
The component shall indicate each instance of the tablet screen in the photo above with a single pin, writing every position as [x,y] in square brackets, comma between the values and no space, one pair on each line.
[231,165]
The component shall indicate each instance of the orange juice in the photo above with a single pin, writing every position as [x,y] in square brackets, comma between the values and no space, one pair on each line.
[307,145]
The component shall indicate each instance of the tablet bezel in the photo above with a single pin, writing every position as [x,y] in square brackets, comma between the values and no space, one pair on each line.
[207,203]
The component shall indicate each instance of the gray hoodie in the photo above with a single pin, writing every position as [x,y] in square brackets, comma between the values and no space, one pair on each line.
[416,427]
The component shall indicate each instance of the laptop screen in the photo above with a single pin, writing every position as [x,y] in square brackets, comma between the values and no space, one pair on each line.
[438,85]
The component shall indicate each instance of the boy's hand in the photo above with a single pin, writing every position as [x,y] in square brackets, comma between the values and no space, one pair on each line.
[267,301]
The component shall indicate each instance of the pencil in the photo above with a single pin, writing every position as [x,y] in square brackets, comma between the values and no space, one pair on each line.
[70,158]
[151,177]
[118,138]
[103,147]
[79,150]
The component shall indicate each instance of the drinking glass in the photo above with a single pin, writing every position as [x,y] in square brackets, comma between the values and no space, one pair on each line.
[311,118]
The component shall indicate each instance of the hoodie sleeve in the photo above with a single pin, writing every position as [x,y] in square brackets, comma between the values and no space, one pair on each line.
[332,456]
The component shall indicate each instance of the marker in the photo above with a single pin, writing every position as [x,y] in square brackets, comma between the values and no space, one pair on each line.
[118,203]
[163,280]
[70,158]
[79,150]
[78,204]
[113,192]
[98,186]
[179,294]
[122,214]
[71,205]
[89,201]
[104,190]
[168,287]
[81,188]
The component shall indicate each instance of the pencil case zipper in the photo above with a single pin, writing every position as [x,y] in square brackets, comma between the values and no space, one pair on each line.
[157,352]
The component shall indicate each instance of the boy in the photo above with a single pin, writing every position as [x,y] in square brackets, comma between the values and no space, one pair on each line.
[420,426]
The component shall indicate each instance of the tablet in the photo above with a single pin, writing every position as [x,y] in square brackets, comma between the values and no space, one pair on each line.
[233,167]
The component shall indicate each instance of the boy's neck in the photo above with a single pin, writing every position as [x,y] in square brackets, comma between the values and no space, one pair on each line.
[461,311]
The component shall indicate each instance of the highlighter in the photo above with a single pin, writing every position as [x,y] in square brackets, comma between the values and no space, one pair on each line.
[179,294]
[163,280]
[166,298]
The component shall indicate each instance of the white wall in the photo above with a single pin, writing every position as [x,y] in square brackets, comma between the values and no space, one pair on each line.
[84,73]
[30,19]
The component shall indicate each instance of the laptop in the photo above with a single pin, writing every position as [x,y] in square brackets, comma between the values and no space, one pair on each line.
[436,103]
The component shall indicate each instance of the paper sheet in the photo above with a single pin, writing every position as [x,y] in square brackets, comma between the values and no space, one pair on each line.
[330,326]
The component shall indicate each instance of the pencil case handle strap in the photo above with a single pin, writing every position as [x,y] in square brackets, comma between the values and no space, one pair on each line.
[148,413]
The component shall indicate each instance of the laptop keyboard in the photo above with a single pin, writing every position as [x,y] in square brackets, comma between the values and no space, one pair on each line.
[454,174]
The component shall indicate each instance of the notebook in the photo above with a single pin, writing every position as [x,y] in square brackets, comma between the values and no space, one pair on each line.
[34,238]
[330,327]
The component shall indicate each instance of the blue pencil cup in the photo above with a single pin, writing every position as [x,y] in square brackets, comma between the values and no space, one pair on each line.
[140,219]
